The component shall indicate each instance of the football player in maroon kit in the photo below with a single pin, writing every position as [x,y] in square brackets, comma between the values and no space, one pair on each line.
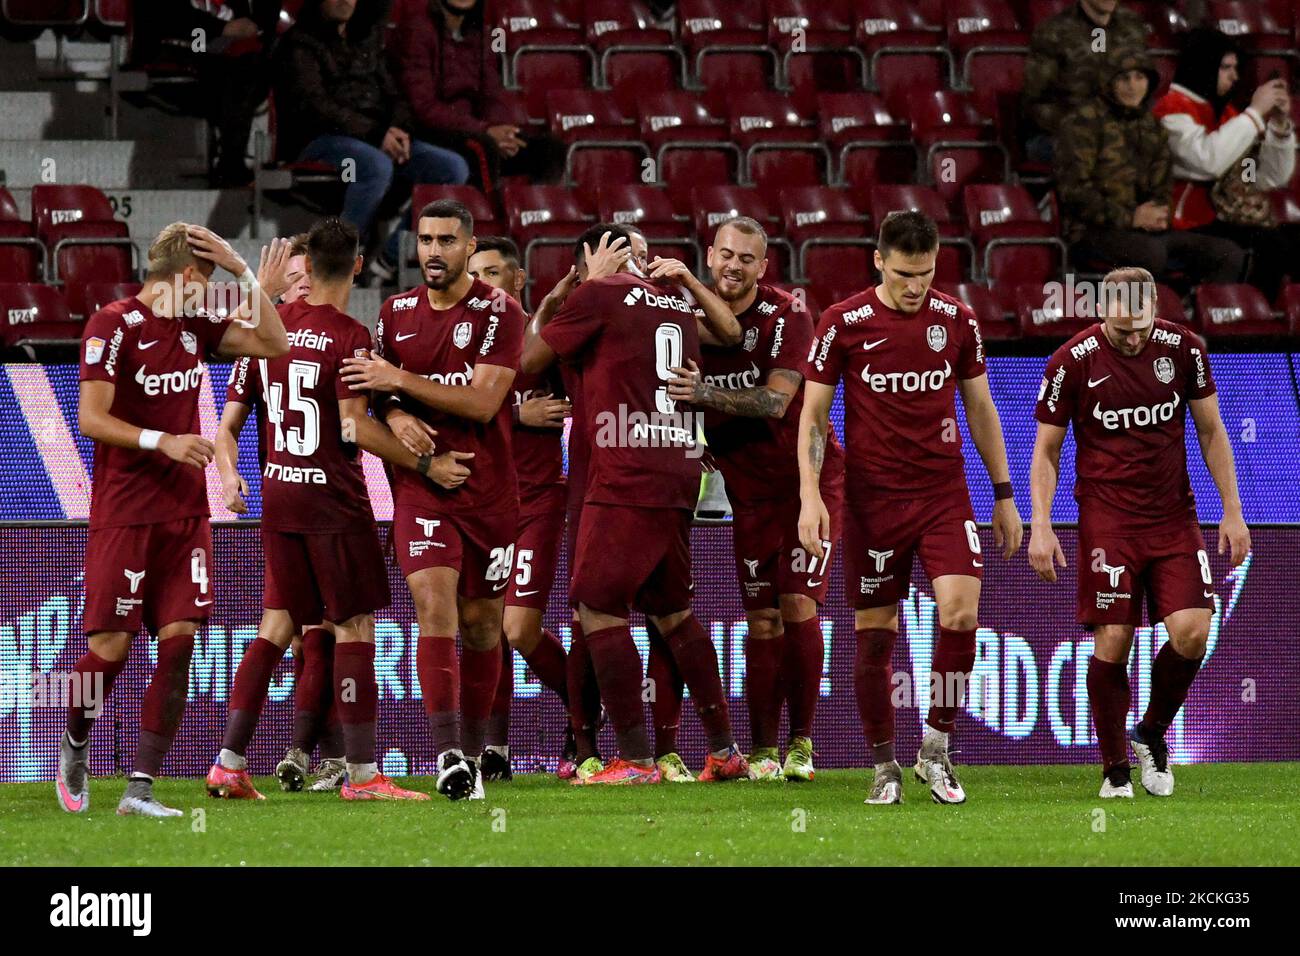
[1125,384]
[147,554]
[903,351]
[323,558]
[446,356]
[538,417]
[752,399]
[626,333]
[315,717]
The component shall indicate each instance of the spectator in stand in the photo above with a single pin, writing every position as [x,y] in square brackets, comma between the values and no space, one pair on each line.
[338,102]
[1064,65]
[1209,137]
[453,82]
[1113,184]
[232,63]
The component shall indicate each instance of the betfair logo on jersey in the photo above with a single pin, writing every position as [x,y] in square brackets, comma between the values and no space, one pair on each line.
[744,379]
[820,361]
[1055,396]
[638,294]
[490,336]
[239,376]
[861,313]
[452,378]
[777,335]
[1083,348]
[309,339]
[169,383]
[1165,337]
[114,346]
[1200,367]
[895,382]
[406,302]
[1118,419]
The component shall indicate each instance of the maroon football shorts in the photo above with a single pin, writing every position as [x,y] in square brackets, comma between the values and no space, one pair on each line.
[324,577]
[1118,565]
[150,574]
[884,536]
[480,547]
[770,561]
[537,550]
[633,558]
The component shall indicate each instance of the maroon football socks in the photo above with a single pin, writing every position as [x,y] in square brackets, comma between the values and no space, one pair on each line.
[763,660]
[95,676]
[248,693]
[954,656]
[873,685]
[618,674]
[1171,678]
[1108,696]
[698,662]
[164,702]
[801,672]
[584,695]
[666,700]
[438,671]
[357,698]
[479,671]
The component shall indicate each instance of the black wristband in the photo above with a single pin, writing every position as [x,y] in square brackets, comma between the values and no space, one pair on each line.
[422,466]
[1002,490]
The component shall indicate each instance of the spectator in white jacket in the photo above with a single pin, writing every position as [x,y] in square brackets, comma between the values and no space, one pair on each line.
[1208,135]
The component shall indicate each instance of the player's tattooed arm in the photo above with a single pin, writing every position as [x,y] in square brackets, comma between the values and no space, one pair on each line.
[96,421]
[814,428]
[718,325]
[234,489]
[1216,449]
[769,400]
[1045,553]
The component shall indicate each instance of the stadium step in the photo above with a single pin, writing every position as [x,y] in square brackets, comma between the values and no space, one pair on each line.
[62,111]
[109,164]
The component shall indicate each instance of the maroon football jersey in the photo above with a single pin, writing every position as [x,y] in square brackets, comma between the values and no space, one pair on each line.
[444,346]
[758,456]
[579,447]
[1129,414]
[626,334]
[900,376]
[539,459]
[156,368]
[311,478]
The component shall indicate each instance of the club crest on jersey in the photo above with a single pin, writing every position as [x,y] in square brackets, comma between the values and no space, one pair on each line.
[751,339]
[937,337]
[191,342]
[1164,367]
[460,338]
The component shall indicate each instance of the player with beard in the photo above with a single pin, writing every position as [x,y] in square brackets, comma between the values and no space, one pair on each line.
[315,716]
[445,358]
[149,547]
[903,351]
[1124,384]
[538,418]
[624,332]
[751,397]
[323,558]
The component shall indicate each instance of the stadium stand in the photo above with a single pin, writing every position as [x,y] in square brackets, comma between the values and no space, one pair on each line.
[816,117]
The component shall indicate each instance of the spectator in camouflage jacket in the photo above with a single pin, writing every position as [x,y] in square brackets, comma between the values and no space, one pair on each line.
[1064,63]
[1113,181]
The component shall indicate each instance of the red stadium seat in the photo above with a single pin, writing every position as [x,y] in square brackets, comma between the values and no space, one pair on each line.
[1016,245]
[979,27]
[546,49]
[62,15]
[726,44]
[650,209]
[634,54]
[34,315]
[712,205]
[689,142]
[815,41]
[85,242]
[868,144]
[829,232]
[1043,311]
[959,142]
[995,322]
[1290,303]
[1169,306]
[956,251]
[111,14]
[486,220]
[781,145]
[603,144]
[1255,24]
[22,255]
[545,221]
[906,48]
[96,295]
[1236,310]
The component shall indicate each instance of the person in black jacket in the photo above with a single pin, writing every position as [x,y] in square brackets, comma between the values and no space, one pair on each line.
[337,103]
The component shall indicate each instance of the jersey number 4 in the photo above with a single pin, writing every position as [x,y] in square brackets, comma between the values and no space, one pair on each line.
[299,440]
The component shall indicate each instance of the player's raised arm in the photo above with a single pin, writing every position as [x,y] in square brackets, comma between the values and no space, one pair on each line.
[1216,449]
[717,324]
[1044,549]
[986,432]
[814,427]
[257,330]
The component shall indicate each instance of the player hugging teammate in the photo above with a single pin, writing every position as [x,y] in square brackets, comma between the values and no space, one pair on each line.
[464,406]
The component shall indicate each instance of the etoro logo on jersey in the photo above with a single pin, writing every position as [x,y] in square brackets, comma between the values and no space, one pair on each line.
[452,378]
[169,383]
[1120,419]
[895,382]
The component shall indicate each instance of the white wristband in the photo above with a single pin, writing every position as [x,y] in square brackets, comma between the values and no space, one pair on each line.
[248,280]
[149,439]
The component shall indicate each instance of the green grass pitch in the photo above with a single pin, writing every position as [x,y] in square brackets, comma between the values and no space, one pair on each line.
[1221,814]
